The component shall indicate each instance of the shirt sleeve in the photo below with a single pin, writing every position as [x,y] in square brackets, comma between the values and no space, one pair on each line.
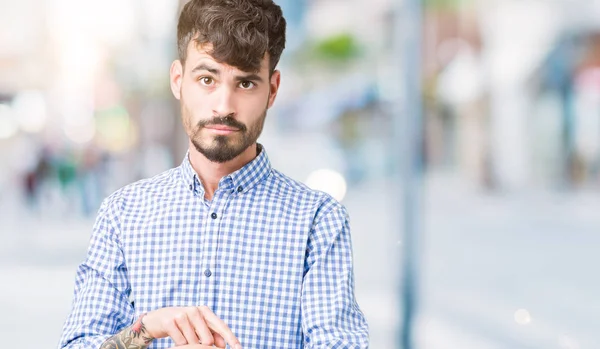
[101,306]
[331,317]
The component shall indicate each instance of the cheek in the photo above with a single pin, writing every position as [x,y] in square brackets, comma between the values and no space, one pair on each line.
[256,105]
[195,104]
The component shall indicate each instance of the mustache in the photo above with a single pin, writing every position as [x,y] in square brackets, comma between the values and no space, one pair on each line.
[228,121]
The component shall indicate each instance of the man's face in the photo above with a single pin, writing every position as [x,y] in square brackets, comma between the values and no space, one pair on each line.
[223,108]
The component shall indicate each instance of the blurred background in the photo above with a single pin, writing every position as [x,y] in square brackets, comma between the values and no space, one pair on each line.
[506,185]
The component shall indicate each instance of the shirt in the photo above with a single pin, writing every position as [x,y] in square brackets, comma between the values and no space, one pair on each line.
[268,255]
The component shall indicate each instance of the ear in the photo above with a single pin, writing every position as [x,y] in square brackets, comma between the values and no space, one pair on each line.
[176,77]
[274,87]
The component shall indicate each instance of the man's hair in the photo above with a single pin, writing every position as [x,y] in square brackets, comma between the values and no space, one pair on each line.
[240,31]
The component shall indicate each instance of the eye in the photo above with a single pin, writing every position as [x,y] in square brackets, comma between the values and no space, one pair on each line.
[206,81]
[246,85]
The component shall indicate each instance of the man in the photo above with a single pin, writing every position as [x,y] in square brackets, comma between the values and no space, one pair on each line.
[223,250]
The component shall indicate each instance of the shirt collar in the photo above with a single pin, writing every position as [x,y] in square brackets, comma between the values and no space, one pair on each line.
[241,180]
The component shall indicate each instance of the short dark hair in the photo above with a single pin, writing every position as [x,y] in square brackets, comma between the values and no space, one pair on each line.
[240,31]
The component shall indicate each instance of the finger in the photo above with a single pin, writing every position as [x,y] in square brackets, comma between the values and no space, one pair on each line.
[175,334]
[219,341]
[217,325]
[183,322]
[201,327]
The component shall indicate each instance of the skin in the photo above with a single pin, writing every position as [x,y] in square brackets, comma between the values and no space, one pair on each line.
[223,113]
[211,92]
[187,326]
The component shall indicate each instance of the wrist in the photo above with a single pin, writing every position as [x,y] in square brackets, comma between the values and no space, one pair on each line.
[139,332]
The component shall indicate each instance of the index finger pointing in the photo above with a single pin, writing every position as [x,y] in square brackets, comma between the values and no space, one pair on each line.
[219,326]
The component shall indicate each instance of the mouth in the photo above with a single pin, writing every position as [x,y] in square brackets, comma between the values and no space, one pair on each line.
[220,129]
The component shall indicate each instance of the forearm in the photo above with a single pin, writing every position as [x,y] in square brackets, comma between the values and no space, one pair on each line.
[132,337]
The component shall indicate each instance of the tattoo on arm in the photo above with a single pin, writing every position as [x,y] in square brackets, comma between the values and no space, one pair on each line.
[132,337]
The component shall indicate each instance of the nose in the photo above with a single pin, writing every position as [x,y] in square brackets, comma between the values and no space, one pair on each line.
[224,105]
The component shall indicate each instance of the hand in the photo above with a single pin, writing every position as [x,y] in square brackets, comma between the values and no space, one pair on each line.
[190,325]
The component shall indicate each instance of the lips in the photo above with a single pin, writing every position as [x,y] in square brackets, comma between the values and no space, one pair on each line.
[221,128]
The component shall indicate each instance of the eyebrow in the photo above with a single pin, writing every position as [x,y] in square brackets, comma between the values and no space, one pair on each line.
[203,66]
[217,72]
[249,77]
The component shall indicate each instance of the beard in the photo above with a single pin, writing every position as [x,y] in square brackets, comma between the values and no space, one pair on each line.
[223,148]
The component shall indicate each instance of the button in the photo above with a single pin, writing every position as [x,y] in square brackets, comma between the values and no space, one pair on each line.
[213,215]
[240,189]
[191,187]
[207,273]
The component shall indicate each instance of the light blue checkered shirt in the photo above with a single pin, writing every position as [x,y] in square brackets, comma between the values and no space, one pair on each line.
[268,255]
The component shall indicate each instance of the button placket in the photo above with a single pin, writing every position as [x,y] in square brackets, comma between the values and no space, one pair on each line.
[212,237]
[215,215]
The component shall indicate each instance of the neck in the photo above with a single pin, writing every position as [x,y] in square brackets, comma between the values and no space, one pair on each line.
[210,173]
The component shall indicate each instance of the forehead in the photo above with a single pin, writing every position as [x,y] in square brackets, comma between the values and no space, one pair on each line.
[200,53]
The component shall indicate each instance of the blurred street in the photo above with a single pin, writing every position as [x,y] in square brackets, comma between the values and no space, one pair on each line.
[532,251]
[516,271]
[494,105]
